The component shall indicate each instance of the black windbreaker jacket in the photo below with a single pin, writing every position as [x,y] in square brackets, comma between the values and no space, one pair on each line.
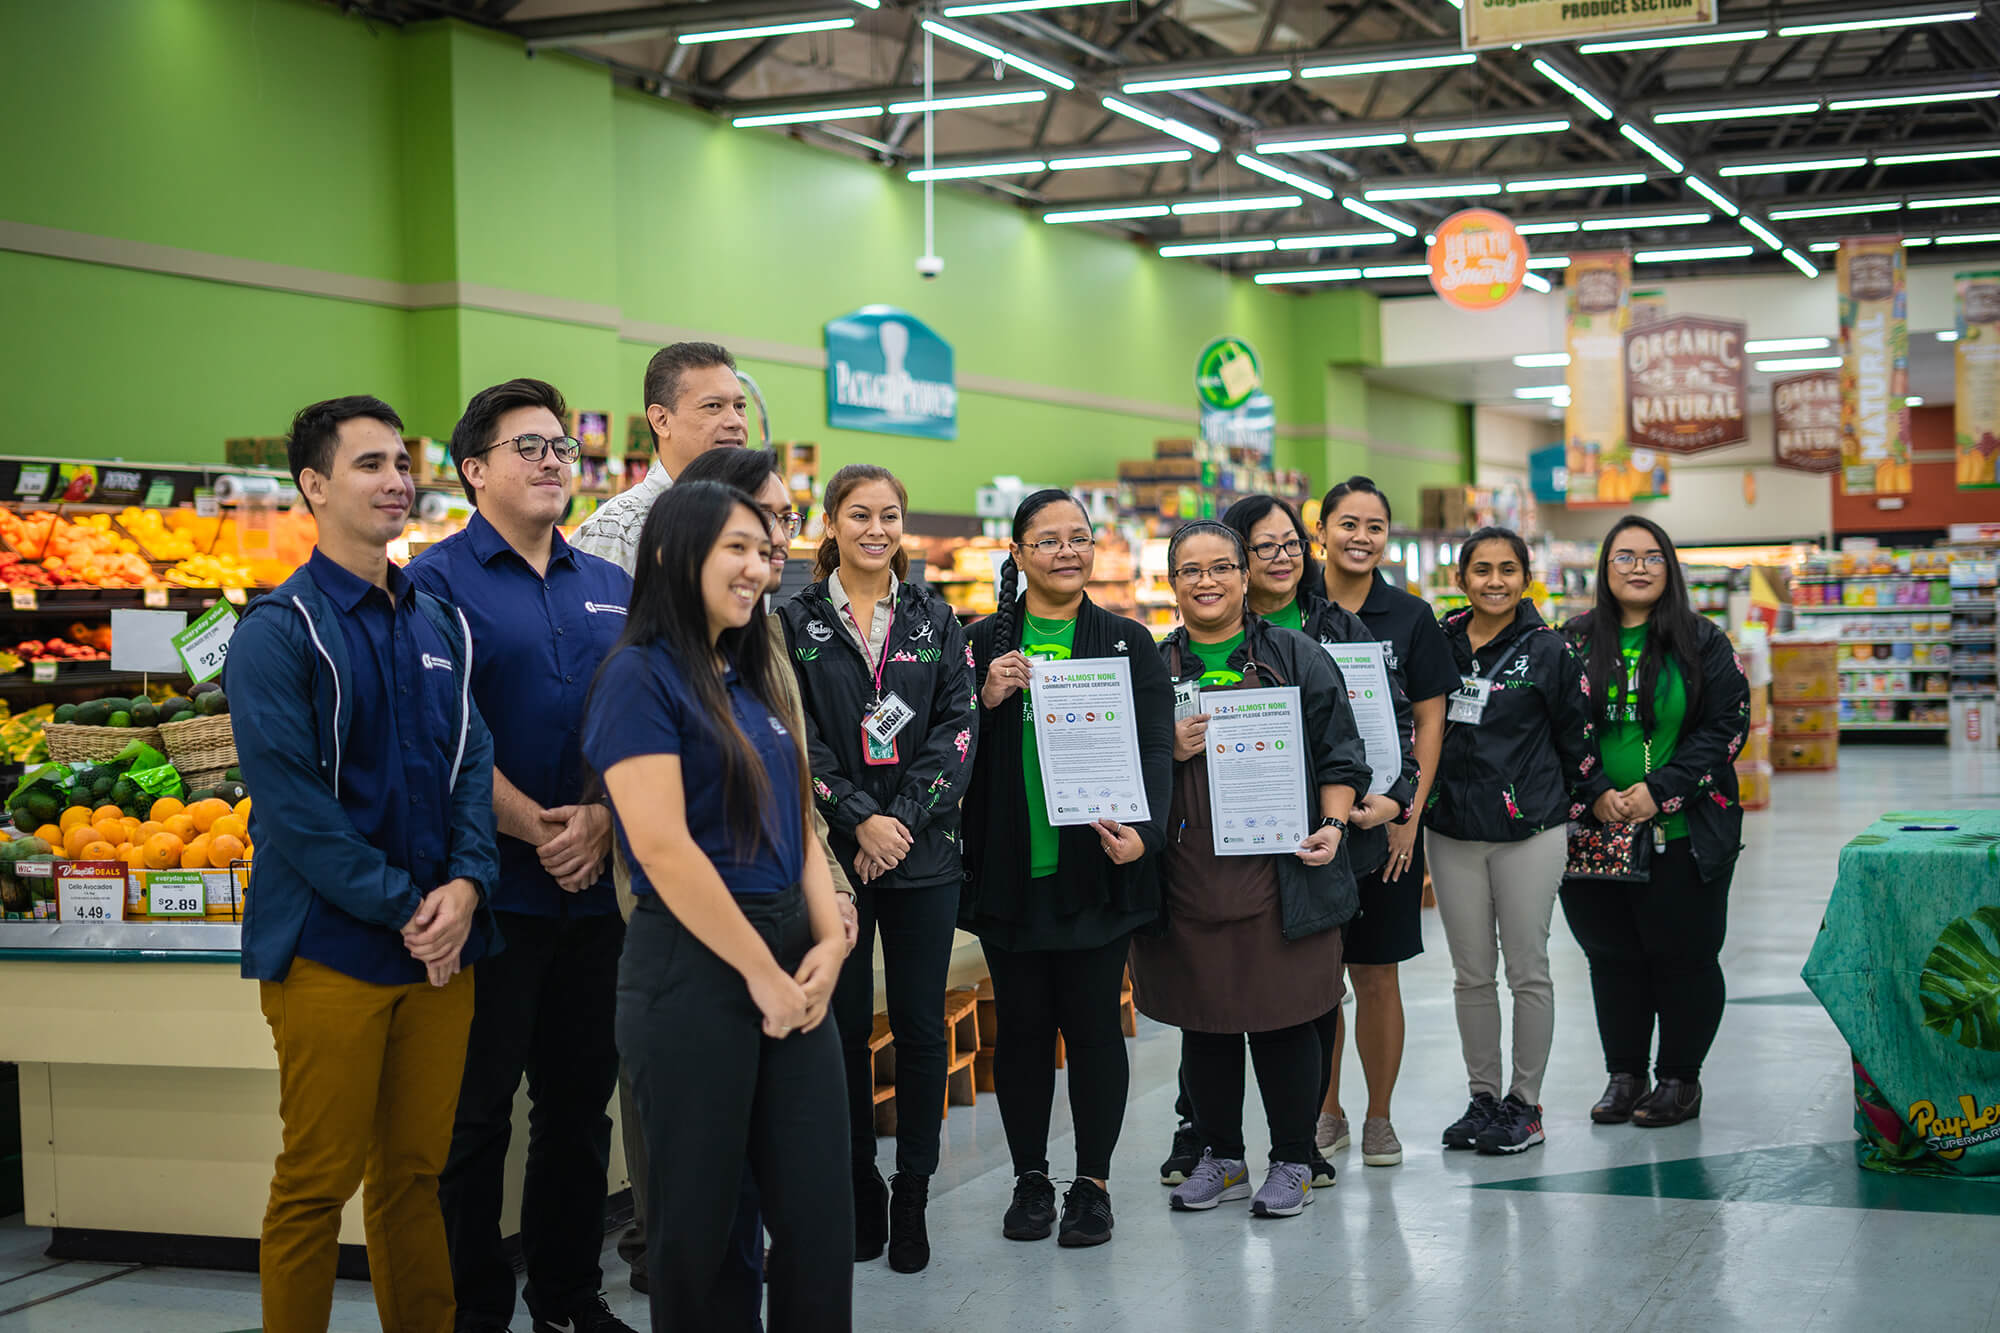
[929,666]
[1533,755]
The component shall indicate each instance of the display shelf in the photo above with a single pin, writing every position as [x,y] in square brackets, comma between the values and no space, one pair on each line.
[1905,638]
[122,940]
[90,674]
[1895,726]
[1887,664]
[1870,578]
[1904,696]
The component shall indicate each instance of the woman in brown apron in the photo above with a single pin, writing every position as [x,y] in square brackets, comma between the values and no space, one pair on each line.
[1249,944]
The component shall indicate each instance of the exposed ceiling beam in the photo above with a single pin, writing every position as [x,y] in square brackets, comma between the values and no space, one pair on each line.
[626,24]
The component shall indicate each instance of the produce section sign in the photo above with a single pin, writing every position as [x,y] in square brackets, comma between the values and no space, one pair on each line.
[1601,466]
[1875,374]
[1684,385]
[888,373]
[1505,22]
[1805,418]
[204,645]
[1478,261]
[1977,411]
[1229,390]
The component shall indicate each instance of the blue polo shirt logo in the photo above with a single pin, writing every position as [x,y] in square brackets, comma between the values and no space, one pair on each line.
[603,608]
[435,663]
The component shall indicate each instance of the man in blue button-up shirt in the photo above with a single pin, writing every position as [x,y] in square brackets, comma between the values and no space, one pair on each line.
[543,616]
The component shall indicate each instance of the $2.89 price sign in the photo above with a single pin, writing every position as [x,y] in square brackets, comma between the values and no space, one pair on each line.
[204,645]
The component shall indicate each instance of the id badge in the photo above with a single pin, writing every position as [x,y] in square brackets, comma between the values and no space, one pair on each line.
[1468,703]
[881,726]
[1184,705]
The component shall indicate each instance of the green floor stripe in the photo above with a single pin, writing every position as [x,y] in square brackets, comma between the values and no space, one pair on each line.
[1804,998]
[1819,1175]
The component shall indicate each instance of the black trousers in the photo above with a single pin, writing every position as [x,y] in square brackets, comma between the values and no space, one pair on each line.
[916,927]
[1288,1070]
[1037,993]
[544,1006]
[715,1093]
[1654,952]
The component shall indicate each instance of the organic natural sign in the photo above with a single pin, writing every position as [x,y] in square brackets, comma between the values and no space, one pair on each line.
[1805,418]
[1508,22]
[1875,371]
[1478,260]
[1977,408]
[1684,385]
[887,372]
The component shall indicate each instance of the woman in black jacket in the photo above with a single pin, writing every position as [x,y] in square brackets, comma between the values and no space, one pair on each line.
[1673,711]
[885,677]
[1518,748]
[1055,907]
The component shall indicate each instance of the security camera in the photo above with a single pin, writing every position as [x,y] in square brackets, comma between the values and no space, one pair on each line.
[929,267]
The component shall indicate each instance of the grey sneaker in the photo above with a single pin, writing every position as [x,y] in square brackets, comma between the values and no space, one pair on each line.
[1287,1190]
[1214,1180]
[1331,1135]
[1379,1144]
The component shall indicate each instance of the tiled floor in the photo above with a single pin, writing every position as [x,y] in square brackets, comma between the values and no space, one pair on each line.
[1752,1217]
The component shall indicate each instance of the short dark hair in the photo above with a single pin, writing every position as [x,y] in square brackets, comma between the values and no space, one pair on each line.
[665,371]
[315,432]
[745,469]
[474,431]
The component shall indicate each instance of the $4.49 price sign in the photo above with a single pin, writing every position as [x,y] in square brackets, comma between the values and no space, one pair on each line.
[204,645]
[88,892]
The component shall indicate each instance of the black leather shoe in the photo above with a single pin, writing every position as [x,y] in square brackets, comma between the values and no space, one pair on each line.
[1621,1094]
[909,1240]
[871,1212]
[1673,1101]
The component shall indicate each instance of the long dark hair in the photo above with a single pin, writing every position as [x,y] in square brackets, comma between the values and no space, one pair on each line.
[1672,629]
[1008,613]
[1251,510]
[827,558]
[667,608]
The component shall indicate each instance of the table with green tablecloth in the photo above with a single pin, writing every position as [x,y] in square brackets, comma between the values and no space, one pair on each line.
[1907,963]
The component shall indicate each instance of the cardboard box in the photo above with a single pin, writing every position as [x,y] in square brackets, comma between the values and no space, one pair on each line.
[1806,719]
[1805,753]
[1753,785]
[1760,705]
[1804,672]
[1756,747]
[1174,448]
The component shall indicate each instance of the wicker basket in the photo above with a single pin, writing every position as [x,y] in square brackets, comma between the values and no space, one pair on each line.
[202,748]
[71,744]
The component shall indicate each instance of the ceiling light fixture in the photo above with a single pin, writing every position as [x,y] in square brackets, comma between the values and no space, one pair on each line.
[1398,271]
[1245,247]
[1489,131]
[1963,201]
[1651,149]
[1650,220]
[1823,247]
[1247,204]
[1779,168]
[1942,155]
[1913,400]
[1784,364]
[1577,182]
[806,117]
[1165,124]
[1761,232]
[1541,360]
[1872,23]
[1658,43]
[1389,220]
[1916,240]
[1334,141]
[978,169]
[1582,94]
[1388,66]
[1912,99]
[967,102]
[1834,210]
[1549,261]
[1463,190]
[1710,193]
[1800,262]
[1291,178]
[1979,238]
[1120,159]
[1707,113]
[1758,346]
[1001,54]
[1534,282]
[1309,275]
[1545,228]
[1205,81]
[1336,240]
[1692,253]
[1108,214]
[1948,336]
[779,29]
[1013,6]
[1544,390]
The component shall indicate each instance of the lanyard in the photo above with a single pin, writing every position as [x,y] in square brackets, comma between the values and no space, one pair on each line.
[888,634]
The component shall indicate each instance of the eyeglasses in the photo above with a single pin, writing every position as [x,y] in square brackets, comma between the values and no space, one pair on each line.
[1624,562]
[788,521]
[1050,545]
[534,448]
[1197,573]
[1269,551]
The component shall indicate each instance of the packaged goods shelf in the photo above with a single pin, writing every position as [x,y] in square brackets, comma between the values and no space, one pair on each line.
[1889,664]
[1872,578]
[1895,726]
[1907,696]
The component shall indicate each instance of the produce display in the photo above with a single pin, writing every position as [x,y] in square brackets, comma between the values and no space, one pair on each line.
[176,535]
[88,550]
[22,740]
[211,571]
[56,648]
[204,700]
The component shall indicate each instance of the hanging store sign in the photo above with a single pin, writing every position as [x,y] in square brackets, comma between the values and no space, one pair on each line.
[888,373]
[1601,467]
[1684,385]
[1506,22]
[1236,413]
[1478,260]
[1977,408]
[1805,420]
[1875,376]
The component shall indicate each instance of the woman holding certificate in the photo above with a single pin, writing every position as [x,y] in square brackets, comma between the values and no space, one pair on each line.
[1055,903]
[1252,941]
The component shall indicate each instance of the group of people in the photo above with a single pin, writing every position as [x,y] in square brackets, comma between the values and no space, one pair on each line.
[665,822]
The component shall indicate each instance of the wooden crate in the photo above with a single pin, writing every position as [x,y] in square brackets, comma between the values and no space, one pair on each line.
[961,1087]
[882,1064]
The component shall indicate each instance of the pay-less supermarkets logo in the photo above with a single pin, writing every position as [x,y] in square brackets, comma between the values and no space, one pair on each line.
[887,372]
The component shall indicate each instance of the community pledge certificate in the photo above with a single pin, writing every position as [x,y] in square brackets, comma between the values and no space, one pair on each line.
[1256,771]
[1086,742]
[1362,666]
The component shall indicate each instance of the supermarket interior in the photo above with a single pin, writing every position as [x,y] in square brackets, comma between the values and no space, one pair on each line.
[1732,266]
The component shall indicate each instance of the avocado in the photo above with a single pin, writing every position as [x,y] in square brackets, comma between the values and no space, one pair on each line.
[42,806]
[197,691]
[29,849]
[212,704]
[145,715]
[92,714]
[124,792]
[205,794]
[66,713]
[101,785]
[174,709]
[121,718]
[232,792]
[233,775]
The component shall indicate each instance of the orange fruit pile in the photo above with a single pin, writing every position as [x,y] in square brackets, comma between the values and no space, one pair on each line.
[208,835]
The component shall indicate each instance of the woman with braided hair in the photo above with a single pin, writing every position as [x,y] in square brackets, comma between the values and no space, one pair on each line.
[1055,908]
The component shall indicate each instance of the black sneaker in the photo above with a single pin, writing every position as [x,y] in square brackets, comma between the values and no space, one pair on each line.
[593,1316]
[1322,1172]
[1186,1155]
[1086,1216]
[1032,1215]
[1479,1113]
[1517,1128]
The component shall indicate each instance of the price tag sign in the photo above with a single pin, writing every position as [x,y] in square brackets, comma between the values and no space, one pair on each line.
[25,599]
[160,493]
[234,596]
[204,645]
[156,599]
[88,892]
[33,481]
[43,673]
[176,893]
[205,505]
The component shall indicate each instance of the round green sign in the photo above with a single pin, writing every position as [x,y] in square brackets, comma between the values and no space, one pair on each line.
[1226,374]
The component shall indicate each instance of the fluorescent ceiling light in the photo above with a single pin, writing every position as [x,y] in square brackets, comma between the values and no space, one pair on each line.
[1913,400]
[1398,271]
[1434,191]
[1306,183]
[806,117]
[1779,168]
[1650,220]
[1164,124]
[1388,66]
[1972,201]
[1545,228]
[1948,336]
[1916,240]
[1912,99]
[1657,43]
[1870,24]
[1577,182]
[1761,232]
[1693,253]
[1947,155]
[1389,220]
[1544,390]
[1549,261]
[1541,360]
[978,169]
[1247,204]
[1337,240]
[967,101]
[1834,210]
[763,30]
[1001,54]
[1823,247]
[1334,141]
[1535,282]
[1573,88]
[1309,275]
[1757,346]
[1246,247]
[1490,131]
[1798,363]
[1981,238]
[1205,81]
[1800,262]
[1013,6]
[1109,214]
[869,4]
[1710,193]
[1735,112]
[1651,149]
[1119,159]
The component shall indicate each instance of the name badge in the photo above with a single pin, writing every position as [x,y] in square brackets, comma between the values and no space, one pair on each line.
[1184,706]
[880,727]
[1468,702]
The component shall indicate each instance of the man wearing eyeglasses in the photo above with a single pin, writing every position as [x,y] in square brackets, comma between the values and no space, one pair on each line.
[543,616]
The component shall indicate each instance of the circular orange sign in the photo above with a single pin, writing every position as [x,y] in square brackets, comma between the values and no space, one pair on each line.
[1478,260]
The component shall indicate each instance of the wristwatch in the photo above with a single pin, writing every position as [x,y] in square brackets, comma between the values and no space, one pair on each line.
[1333,821]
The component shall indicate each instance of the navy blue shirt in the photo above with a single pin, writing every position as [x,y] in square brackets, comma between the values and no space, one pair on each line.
[395,774]
[538,640]
[647,707]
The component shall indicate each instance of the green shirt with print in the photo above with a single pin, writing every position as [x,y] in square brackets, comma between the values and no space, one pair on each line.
[1624,746]
[1289,616]
[1214,659]
[1044,641]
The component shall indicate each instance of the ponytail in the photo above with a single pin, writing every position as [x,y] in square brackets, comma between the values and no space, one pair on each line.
[827,558]
[1009,610]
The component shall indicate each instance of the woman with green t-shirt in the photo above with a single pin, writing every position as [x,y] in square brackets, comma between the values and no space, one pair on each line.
[1055,908]
[1671,716]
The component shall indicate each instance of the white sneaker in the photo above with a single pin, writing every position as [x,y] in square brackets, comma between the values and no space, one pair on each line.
[1331,1134]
